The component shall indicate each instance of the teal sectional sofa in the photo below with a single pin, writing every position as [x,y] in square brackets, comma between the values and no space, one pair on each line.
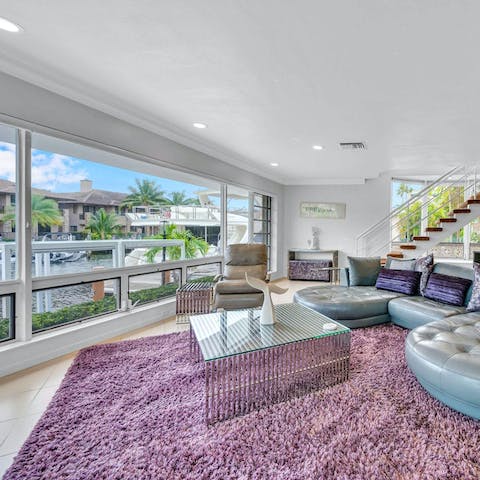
[443,347]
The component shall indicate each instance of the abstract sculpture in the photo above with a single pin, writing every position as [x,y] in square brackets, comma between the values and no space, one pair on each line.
[268,313]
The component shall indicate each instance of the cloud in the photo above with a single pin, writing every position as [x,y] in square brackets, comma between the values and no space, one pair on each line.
[52,171]
[7,161]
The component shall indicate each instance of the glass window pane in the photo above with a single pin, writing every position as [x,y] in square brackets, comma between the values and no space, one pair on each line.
[7,319]
[8,194]
[203,273]
[83,196]
[55,307]
[237,215]
[152,287]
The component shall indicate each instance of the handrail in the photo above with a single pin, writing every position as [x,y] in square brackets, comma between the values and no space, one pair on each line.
[461,178]
[416,196]
[429,201]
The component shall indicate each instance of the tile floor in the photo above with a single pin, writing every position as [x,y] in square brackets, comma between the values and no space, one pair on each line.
[24,396]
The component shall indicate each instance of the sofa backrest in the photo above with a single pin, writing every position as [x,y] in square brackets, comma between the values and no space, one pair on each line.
[456,271]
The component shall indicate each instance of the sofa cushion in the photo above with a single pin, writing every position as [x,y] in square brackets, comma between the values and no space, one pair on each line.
[234,287]
[447,289]
[394,263]
[364,270]
[474,303]
[346,303]
[411,312]
[445,357]
[402,281]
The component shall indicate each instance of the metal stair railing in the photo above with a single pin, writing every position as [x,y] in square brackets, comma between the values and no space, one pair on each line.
[379,238]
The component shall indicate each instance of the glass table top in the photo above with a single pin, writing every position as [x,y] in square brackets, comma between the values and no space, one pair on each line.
[233,332]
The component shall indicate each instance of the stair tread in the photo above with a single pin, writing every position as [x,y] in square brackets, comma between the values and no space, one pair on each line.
[434,229]
[461,210]
[421,238]
[408,247]
[473,201]
[448,220]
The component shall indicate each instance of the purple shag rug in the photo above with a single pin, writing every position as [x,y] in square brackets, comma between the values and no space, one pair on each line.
[134,410]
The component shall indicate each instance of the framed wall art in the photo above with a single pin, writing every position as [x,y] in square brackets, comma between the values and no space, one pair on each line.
[322,210]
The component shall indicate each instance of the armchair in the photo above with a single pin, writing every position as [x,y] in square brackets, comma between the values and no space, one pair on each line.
[231,290]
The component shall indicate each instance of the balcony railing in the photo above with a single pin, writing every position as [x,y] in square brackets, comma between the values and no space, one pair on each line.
[75,296]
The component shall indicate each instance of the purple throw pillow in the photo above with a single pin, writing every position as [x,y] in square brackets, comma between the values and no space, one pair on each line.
[447,289]
[401,281]
[474,303]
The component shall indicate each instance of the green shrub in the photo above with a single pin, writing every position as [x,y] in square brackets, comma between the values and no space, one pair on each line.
[73,313]
[4,328]
[153,294]
[206,278]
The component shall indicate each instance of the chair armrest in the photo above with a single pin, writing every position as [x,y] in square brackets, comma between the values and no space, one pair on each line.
[218,277]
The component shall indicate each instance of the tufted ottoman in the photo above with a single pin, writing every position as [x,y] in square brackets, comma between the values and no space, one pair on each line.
[445,357]
[352,306]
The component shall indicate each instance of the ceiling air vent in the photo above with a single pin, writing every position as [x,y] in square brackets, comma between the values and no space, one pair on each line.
[353,146]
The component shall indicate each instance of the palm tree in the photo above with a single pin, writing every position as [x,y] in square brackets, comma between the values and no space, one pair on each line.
[146,192]
[180,198]
[193,245]
[404,191]
[45,212]
[102,224]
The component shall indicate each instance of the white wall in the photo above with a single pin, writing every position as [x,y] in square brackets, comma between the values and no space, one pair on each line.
[366,205]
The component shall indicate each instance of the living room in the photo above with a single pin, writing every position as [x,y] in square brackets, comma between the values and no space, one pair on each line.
[238,240]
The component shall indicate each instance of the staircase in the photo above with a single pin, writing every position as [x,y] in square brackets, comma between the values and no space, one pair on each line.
[426,218]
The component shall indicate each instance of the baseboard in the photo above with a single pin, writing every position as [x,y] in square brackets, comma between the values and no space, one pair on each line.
[46,346]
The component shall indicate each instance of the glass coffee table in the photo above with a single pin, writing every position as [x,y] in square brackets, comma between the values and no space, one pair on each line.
[249,366]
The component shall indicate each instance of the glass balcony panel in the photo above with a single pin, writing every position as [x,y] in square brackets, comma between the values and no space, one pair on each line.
[59,306]
[152,287]
[7,318]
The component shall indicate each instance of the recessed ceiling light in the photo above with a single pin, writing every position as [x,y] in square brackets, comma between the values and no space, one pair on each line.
[274,164]
[200,125]
[9,26]
[317,147]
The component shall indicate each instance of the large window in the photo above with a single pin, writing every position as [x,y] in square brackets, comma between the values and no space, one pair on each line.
[109,233]
[262,222]
[249,218]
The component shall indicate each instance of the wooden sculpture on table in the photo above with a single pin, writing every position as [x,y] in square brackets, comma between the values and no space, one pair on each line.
[268,312]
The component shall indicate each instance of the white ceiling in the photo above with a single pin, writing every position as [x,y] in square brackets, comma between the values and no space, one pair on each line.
[270,78]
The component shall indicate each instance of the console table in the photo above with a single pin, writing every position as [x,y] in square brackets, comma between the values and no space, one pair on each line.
[309,264]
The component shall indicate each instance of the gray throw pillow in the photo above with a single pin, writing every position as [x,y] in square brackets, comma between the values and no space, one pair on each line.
[425,266]
[474,303]
[400,263]
[364,271]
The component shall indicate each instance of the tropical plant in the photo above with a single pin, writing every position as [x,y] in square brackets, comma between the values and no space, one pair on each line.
[145,192]
[409,221]
[181,198]
[102,225]
[193,245]
[404,191]
[45,212]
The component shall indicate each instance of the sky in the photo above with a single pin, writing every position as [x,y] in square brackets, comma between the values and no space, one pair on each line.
[397,199]
[61,173]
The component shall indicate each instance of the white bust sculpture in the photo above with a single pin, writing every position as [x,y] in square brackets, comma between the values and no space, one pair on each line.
[268,312]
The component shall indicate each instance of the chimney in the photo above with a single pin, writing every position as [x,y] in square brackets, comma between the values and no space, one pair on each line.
[85,185]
